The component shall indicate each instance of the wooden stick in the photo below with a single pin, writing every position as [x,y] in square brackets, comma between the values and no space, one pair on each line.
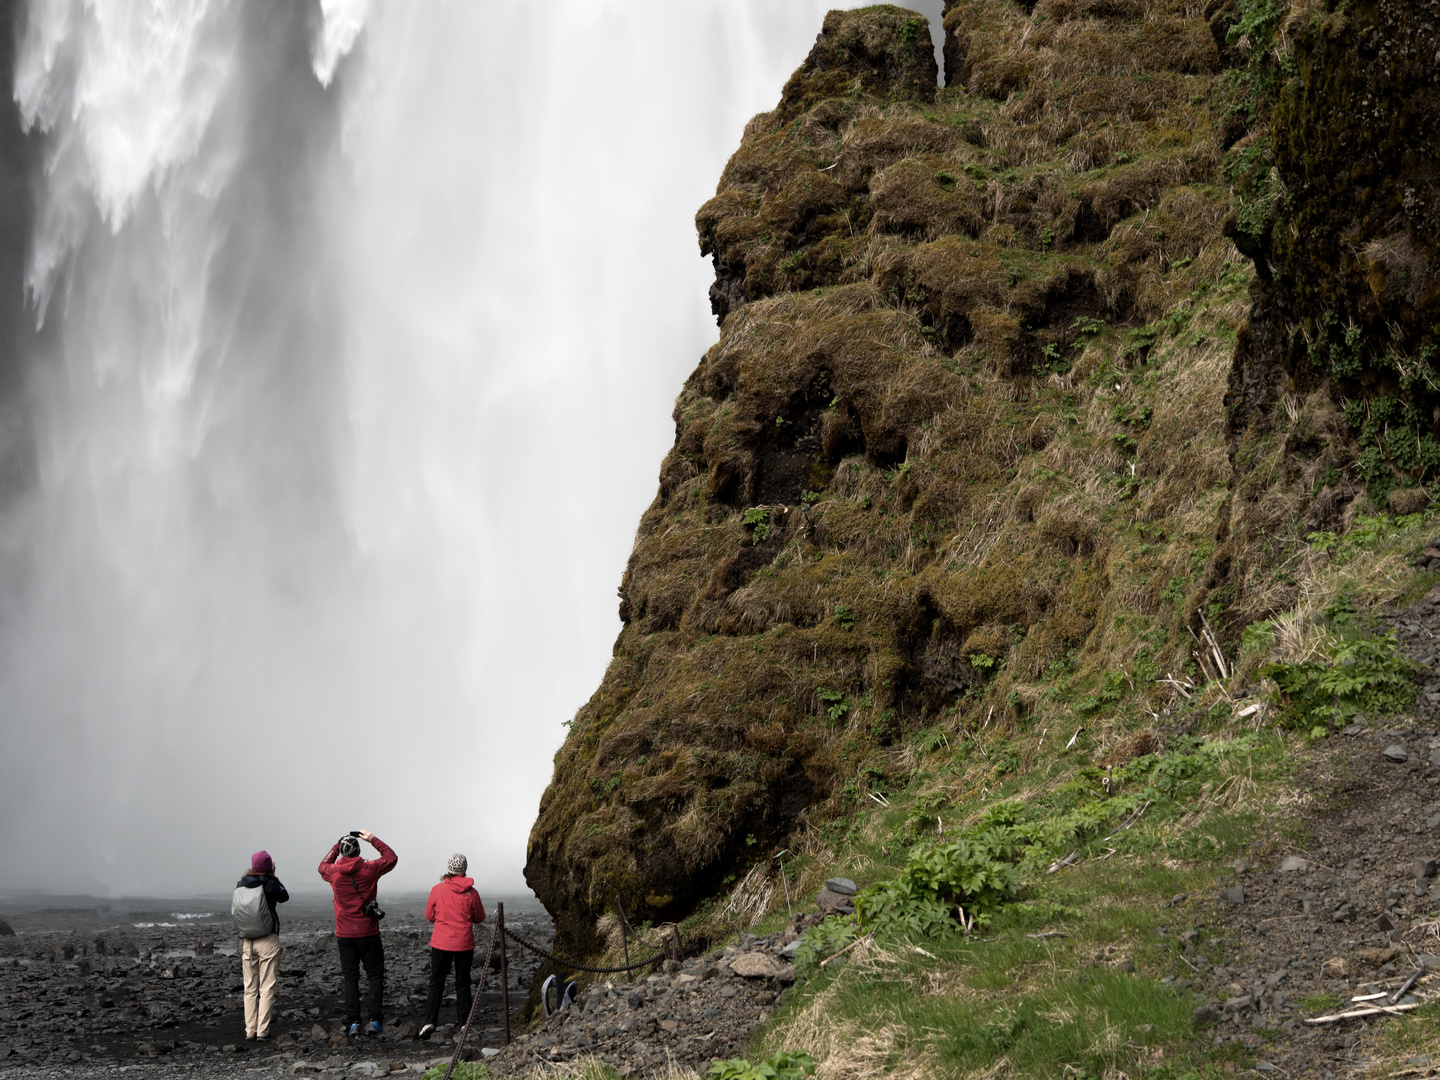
[843,951]
[1354,1014]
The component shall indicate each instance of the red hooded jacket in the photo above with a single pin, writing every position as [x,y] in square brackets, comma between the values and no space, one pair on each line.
[454,907]
[355,881]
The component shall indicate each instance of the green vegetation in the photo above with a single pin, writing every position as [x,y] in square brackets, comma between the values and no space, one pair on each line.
[464,1070]
[786,1065]
[1361,675]
[992,514]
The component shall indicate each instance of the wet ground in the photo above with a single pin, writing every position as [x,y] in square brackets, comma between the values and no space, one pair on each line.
[153,988]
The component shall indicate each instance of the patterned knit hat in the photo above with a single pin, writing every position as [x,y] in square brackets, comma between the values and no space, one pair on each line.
[456,865]
[349,846]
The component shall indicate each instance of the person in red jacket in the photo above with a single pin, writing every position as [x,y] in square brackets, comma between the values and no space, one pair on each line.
[454,907]
[357,928]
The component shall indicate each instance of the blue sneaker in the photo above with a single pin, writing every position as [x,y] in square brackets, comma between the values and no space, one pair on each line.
[352,1030]
[374,1028]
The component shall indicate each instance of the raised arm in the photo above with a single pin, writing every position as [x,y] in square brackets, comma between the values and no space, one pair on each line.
[388,858]
[329,861]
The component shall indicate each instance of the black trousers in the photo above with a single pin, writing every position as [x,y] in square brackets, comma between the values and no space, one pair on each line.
[370,952]
[440,962]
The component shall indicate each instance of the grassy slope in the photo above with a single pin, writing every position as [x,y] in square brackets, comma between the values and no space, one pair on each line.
[987,445]
[972,468]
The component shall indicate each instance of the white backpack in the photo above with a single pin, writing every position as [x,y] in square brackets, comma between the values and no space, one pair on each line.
[252,915]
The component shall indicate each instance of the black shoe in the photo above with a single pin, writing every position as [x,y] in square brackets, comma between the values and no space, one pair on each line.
[426,1030]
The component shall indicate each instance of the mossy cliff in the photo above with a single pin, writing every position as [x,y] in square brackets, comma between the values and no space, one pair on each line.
[961,459]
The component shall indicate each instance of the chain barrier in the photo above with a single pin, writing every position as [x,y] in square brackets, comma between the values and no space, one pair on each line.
[510,935]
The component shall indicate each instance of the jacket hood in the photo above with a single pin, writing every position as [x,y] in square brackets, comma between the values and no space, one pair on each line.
[249,881]
[349,864]
[459,884]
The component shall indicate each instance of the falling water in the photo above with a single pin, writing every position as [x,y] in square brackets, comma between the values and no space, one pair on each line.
[358,330]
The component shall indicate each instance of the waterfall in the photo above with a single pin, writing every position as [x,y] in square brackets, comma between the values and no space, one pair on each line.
[358,328]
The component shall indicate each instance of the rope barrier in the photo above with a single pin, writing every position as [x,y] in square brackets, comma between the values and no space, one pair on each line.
[510,935]
[474,1001]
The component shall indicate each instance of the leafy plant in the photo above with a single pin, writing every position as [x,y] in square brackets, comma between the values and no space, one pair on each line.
[977,871]
[757,518]
[835,702]
[1365,534]
[786,1065]
[464,1070]
[824,940]
[845,616]
[1367,674]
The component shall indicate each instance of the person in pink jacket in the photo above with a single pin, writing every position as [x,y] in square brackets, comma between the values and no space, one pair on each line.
[454,907]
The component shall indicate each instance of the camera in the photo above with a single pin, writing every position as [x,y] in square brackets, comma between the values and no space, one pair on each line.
[355,832]
[371,909]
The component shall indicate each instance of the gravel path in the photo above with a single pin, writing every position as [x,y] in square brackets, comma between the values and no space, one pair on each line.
[164,1001]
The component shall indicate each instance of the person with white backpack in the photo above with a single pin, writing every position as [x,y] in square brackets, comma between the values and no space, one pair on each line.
[253,908]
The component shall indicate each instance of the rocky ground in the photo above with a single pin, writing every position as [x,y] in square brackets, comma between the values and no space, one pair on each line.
[160,1000]
[688,1013]
[1351,913]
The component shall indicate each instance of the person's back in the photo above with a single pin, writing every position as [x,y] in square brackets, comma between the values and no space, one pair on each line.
[357,923]
[260,941]
[454,907]
[355,883]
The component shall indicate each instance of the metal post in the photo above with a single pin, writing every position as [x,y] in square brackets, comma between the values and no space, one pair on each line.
[623,935]
[504,970]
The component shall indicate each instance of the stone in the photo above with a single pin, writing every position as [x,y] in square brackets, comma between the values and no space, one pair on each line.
[1344,913]
[1383,924]
[842,885]
[1239,1004]
[488,1051]
[5,930]
[1435,759]
[1423,868]
[1204,1014]
[369,1068]
[317,1032]
[1335,968]
[1396,753]
[669,1025]
[1235,894]
[760,965]
[1241,866]
[792,948]
[827,900]
[1293,863]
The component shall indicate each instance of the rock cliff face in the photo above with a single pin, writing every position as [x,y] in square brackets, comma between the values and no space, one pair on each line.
[961,458]
[1339,206]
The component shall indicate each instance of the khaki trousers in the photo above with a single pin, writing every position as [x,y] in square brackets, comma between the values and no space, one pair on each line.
[258,960]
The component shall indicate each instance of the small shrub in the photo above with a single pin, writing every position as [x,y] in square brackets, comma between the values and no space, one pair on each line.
[758,519]
[1366,675]
[464,1070]
[977,871]
[786,1065]
[824,940]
